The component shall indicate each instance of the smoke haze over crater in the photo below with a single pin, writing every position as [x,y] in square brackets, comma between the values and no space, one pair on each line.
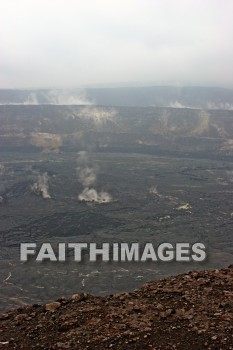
[77,43]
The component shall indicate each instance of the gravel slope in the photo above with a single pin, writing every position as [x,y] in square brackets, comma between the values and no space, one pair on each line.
[190,311]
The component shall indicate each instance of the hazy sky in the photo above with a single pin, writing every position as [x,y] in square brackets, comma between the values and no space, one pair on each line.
[69,43]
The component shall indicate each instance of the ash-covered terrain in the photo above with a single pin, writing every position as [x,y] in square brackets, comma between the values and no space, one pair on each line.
[110,174]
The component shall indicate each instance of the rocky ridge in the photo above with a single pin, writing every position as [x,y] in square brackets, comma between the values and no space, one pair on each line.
[189,311]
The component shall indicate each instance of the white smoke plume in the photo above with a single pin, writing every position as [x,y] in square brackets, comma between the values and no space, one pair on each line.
[98,115]
[67,97]
[41,187]
[177,104]
[55,97]
[220,105]
[31,100]
[2,169]
[154,190]
[91,195]
[87,175]
[209,105]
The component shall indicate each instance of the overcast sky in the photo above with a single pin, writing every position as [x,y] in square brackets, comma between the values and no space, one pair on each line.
[72,43]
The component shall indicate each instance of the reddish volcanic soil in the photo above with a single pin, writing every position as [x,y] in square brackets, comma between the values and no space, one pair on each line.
[190,311]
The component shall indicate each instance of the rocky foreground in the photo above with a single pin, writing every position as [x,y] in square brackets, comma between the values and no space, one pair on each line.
[190,311]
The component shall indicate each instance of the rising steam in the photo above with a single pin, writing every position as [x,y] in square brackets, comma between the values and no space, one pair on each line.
[67,97]
[87,175]
[2,169]
[54,97]
[91,195]
[98,115]
[41,187]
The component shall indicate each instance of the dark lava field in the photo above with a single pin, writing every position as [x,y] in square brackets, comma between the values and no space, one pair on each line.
[110,174]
